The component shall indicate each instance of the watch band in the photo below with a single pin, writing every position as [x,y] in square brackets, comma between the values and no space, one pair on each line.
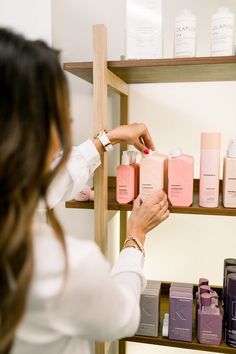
[103,138]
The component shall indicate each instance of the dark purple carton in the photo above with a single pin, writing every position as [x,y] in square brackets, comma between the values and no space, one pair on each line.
[230,315]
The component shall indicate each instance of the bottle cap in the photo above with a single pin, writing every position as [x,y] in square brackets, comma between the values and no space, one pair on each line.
[152,152]
[175,152]
[132,156]
[203,281]
[138,157]
[204,289]
[205,299]
[210,141]
[231,152]
[125,158]
[231,284]
[229,262]
[229,270]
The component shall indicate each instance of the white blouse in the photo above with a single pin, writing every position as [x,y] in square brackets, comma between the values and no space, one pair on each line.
[66,312]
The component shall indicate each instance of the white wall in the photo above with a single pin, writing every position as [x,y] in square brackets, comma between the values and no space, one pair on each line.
[185,247]
[29,17]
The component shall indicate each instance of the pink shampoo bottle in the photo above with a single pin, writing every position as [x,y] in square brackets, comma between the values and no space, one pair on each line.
[180,178]
[209,170]
[153,174]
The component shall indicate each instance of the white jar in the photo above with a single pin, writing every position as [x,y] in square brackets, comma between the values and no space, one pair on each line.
[185,35]
[222,32]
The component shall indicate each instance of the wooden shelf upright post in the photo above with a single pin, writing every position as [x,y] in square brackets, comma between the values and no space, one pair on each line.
[99,123]
[102,78]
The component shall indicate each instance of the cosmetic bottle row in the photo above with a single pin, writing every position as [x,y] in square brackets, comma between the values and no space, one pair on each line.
[222,33]
[175,175]
[144,31]
[208,313]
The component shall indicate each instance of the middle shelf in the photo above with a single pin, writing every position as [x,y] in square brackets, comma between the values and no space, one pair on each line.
[194,209]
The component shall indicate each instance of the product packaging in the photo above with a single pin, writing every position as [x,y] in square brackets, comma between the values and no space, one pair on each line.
[150,309]
[143,29]
[185,35]
[222,32]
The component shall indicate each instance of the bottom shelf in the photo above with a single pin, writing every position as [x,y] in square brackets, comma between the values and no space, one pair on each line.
[164,308]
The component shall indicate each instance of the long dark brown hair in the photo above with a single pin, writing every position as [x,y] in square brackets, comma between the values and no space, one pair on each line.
[33,99]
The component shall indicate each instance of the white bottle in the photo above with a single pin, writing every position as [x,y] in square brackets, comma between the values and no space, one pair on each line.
[185,35]
[222,32]
[229,177]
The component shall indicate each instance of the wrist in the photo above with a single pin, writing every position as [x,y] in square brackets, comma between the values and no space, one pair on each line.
[138,234]
[134,242]
[112,137]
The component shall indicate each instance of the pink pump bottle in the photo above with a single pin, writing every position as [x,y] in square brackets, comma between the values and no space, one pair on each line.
[209,321]
[209,170]
[180,178]
[125,181]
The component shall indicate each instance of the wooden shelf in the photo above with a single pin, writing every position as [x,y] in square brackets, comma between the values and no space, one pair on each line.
[163,70]
[164,308]
[194,209]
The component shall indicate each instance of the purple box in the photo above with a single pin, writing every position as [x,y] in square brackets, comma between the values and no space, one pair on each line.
[181,316]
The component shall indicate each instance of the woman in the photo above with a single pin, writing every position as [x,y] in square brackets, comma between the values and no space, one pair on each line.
[57,292]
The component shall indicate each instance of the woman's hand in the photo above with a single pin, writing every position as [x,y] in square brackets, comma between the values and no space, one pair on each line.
[135,134]
[146,216]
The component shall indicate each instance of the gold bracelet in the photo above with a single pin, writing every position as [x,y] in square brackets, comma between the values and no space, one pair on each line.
[136,241]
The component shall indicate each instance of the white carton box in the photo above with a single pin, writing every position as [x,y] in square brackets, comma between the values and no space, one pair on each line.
[143,29]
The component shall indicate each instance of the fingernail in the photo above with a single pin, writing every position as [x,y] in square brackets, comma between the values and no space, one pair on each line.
[146,151]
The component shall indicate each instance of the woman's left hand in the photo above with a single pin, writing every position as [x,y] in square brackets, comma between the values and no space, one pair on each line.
[135,134]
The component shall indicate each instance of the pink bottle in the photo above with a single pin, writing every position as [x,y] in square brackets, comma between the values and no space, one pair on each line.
[209,170]
[153,174]
[125,181]
[180,178]
[209,321]
[229,177]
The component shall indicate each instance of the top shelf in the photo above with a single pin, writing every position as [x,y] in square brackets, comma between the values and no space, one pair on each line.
[196,69]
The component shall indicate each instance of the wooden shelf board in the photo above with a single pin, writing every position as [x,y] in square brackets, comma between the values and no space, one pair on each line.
[194,209]
[164,308]
[197,69]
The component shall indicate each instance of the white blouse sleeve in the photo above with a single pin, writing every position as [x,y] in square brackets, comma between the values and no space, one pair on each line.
[83,161]
[97,303]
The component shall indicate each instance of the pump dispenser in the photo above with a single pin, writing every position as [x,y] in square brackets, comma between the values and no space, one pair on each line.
[134,161]
[180,178]
[125,180]
[229,177]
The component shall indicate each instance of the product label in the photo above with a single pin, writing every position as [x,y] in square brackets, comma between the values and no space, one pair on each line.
[222,36]
[185,38]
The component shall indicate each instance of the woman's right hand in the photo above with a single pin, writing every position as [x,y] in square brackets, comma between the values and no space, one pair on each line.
[146,216]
